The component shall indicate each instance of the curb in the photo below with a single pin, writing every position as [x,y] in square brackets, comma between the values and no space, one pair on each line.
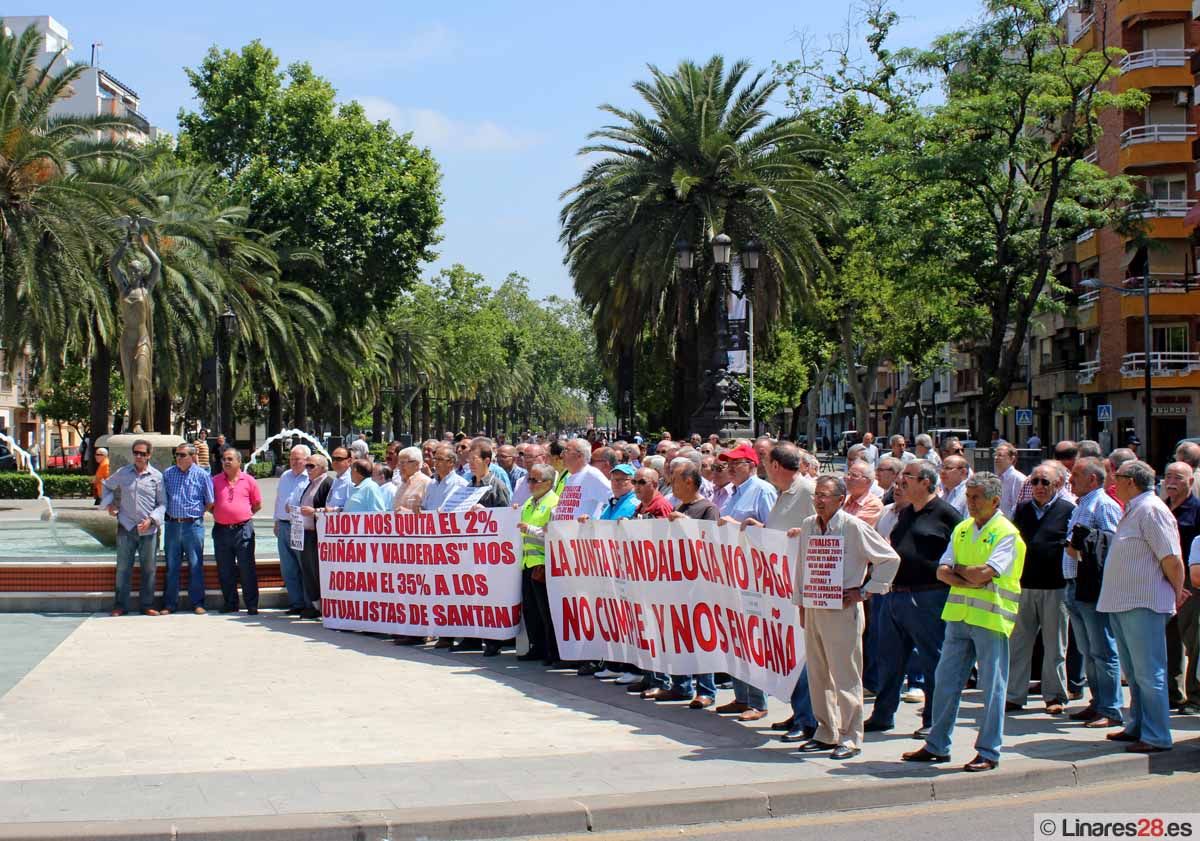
[640,810]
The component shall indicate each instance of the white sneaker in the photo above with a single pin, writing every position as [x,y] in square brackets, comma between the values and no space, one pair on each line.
[913,695]
[626,678]
[605,674]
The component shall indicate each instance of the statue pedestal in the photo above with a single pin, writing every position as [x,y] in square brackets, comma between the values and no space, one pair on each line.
[120,448]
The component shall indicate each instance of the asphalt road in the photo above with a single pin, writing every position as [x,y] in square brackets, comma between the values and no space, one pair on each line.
[977,819]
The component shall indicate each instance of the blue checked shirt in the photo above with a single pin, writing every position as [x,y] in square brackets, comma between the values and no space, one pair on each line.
[1096,510]
[188,494]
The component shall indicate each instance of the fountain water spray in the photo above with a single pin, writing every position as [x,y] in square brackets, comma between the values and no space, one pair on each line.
[17,448]
[287,433]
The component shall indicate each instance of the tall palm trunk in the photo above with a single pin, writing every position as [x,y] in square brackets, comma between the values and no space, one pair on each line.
[101,398]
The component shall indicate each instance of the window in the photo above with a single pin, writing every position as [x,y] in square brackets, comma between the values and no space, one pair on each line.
[1170,338]
[1170,188]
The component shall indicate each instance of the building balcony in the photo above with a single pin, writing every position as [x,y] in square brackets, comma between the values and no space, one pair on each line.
[1081,29]
[1157,143]
[1132,12]
[1171,293]
[1173,365]
[1086,246]
[1165,217]
[1159,68]
[1088,372]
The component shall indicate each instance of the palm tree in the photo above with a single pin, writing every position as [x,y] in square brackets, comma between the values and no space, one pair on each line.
[52,212]
[708,159]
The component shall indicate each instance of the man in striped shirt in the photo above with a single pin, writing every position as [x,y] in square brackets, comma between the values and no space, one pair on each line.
[1143,585]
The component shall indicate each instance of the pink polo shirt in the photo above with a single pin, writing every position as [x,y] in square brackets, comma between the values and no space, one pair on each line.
[235,503]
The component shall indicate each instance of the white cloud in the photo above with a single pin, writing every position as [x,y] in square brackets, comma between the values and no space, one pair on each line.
[438,131]
[432,44]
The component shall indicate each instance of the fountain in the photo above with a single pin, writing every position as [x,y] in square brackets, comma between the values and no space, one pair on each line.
[17,448]
[287,433]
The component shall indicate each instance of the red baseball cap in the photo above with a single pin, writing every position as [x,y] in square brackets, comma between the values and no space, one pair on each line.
[742,451]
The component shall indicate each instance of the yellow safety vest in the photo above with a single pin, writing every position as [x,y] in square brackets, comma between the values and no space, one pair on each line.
[536,512]
[993,606]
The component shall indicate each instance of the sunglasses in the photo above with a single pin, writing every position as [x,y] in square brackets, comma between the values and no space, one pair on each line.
[1037,480]
[641,481]
[141,454]
[310,467]
[341,458]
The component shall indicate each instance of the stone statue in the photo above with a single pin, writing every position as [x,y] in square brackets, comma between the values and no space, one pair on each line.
[137,316]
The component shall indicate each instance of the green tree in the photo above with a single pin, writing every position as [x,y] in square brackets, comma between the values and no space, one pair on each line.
[707,159]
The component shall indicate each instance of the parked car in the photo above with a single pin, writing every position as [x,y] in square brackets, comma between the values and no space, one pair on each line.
[846,440]
[64,458]
[941,434]
[8,461]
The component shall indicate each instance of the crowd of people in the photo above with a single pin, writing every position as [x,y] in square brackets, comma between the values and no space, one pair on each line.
[953,578]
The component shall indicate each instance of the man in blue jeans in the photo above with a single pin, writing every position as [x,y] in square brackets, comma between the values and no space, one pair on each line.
[983,566]
[189,495]
[1142,588]
[292,483]
[1095,510]
[910,616]
[136,497]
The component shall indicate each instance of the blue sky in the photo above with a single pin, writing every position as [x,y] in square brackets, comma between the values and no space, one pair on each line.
[503,93]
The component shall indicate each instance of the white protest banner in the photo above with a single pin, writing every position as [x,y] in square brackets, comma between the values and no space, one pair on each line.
[429,573]
[680,597]
[824,559]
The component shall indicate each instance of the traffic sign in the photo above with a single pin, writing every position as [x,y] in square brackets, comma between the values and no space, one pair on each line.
[1104,412]
[1024,417]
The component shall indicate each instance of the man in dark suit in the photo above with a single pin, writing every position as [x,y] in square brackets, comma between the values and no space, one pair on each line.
[1042,522]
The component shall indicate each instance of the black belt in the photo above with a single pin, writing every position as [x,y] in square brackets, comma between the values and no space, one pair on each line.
[919,588]
[232,525]
[182,519]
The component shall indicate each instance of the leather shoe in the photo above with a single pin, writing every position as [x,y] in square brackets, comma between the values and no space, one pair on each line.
[656,694]
[732,707]
[784,725]
[1103,721]
[1011,707]
[924,755]
[752,715]
[252,611]
[403,639]
[530,656]
[444,642]
[1189,709]
[294,611]
[1086,714]
[491,650]
[845,752]
[1122,736]
[980,764]
[1054,708]
[307,613]
[1142,747]
[701,702]
[588,669]
[228,609]
[876,726]
[815,746]
[798,734]
[920,733]
[638,688]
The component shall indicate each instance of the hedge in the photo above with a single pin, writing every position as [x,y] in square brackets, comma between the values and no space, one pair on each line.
[262,470]
[378,451]
[24,486]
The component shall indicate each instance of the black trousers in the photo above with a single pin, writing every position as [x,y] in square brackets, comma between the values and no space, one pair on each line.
[310,568]
[539,627]
[234,549]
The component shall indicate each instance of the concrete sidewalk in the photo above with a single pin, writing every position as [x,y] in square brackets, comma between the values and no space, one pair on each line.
[266,727]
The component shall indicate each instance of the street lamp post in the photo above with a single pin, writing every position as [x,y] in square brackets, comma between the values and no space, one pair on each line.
[749,257]
[1147,390]
[224,399]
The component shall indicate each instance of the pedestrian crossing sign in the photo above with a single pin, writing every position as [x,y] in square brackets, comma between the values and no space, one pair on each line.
[1104,412]
[1024,417]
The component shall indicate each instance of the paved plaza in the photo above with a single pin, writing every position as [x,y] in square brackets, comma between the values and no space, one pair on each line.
[223,716]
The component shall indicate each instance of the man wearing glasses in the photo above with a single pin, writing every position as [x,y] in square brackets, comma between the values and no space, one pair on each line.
[954,475]
[343,481]
[410,493]
[445,479]
[136,496]
[189,495]
[1142,588]
[535,516]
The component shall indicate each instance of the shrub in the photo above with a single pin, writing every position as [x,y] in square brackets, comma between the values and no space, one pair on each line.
[262,469]
[378,451]
[57,486]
